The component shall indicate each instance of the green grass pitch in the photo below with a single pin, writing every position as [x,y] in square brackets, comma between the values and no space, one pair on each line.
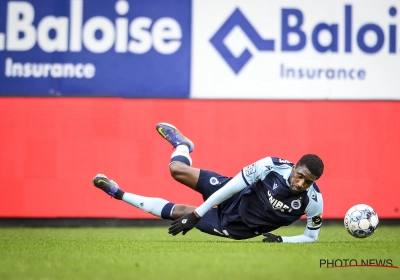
[150,253]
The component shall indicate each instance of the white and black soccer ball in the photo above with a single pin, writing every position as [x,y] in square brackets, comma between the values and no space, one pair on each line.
[361,221]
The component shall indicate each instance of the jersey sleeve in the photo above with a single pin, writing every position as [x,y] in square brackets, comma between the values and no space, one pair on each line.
[313,213]
[314,210]
[257,171]
[235,185]
[307,237]
[314,220]
[249,174]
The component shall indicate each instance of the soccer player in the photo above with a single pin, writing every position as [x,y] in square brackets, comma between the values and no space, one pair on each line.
[262,197]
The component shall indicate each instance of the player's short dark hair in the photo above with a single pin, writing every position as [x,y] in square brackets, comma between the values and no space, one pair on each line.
[313,163]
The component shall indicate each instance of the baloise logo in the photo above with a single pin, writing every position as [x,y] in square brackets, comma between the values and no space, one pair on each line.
[77,33]
[237,19]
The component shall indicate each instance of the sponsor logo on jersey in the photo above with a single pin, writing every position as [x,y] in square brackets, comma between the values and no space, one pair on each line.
[277,204]
[317,220]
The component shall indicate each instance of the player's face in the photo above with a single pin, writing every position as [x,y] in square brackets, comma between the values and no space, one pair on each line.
[300,179]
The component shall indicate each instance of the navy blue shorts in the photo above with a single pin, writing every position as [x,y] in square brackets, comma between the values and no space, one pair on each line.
[223,220]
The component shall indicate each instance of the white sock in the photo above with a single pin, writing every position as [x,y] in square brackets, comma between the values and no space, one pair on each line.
[181,153]
[156,206]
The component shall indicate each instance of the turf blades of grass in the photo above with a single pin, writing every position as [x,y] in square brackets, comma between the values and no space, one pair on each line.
[150,253]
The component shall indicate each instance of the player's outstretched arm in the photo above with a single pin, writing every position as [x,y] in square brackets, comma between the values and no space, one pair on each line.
[250,174]
[235,185]
[189,221]
[314,222]
[307,237]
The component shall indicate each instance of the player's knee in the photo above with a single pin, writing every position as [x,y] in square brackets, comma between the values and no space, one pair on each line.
[178,170]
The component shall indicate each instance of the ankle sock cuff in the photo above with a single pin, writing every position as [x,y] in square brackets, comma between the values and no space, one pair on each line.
[120,193]
[166,212]
[181,159]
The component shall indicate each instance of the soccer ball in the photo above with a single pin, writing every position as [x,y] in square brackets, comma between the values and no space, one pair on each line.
[361,221]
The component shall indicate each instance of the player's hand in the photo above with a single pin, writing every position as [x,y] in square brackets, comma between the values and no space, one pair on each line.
[183,224]
[269,237]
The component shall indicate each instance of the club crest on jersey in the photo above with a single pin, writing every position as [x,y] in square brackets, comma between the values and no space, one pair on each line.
[277,204]
[296,204]
[214,181]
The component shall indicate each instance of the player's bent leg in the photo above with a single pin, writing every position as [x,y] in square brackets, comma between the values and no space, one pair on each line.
[181,210]
[184,174]
[156,206]
[181,162]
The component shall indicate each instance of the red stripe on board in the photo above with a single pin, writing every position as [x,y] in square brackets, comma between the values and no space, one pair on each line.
[52,147]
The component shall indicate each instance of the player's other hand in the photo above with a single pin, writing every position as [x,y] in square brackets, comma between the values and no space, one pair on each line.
[183,224]
[269,237]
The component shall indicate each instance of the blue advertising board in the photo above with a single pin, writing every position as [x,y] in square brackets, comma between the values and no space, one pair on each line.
[125,48]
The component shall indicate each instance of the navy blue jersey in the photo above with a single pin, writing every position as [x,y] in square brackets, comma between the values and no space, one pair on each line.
[267,200]
[262,204]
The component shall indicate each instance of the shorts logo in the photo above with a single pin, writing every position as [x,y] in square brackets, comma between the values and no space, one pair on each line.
[296,204]
[214,181]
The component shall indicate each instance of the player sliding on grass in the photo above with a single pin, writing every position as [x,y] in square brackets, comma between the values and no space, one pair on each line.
[264,196]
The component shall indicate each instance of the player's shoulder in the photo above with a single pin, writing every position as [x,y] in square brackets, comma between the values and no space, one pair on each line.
[261,168]
[314,193]
[272,163]
[316,188]
[315,201]
[277,161]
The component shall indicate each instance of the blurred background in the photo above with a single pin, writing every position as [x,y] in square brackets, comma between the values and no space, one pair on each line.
[83,85]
